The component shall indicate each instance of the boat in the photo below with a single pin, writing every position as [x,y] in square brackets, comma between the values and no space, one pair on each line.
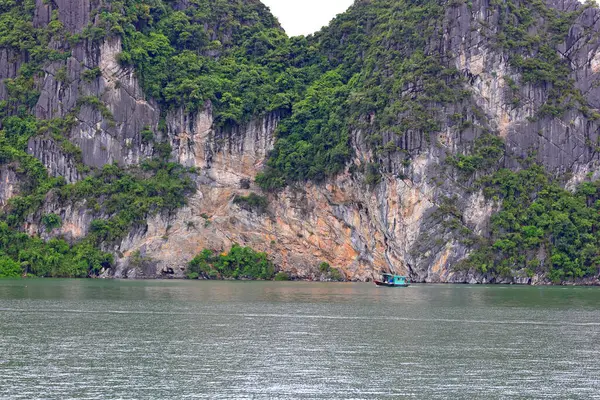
[389,280]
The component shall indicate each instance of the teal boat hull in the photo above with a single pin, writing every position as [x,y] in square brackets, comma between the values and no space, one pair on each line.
[385,284]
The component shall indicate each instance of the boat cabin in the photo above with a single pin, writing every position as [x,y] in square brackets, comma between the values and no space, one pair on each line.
[394,279]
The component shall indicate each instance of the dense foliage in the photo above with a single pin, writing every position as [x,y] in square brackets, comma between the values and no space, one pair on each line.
[229,52]
[314,142]
[541,228]
[22,254]
[487,150]
[238,263]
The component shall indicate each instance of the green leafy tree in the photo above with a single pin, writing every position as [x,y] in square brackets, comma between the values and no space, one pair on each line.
[9,268]
[239,263]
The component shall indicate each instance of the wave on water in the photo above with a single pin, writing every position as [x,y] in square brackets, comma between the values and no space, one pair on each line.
[306,316]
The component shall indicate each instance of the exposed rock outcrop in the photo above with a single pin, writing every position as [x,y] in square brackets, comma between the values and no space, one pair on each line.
[9,184]
[54,159]
[227,155]
[109,107]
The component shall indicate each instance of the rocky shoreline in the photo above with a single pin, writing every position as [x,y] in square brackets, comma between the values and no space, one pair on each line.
[466,278]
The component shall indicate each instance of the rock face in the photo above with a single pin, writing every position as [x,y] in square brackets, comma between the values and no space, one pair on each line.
[9,184]
[54,159]
[227,155]
[10,62]
[108,131]
[363,230]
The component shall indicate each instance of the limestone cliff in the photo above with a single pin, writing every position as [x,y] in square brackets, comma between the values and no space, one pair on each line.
[363,229]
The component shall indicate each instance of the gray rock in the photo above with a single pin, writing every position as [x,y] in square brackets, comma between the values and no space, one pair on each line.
[9,184]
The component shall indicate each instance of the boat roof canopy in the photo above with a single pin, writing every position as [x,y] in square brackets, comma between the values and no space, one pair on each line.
[395,276]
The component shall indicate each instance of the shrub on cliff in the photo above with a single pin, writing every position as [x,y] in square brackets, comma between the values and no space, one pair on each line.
[282,276]
[330,273]
[200,266]
[252,202]
[238,263]
[51,221]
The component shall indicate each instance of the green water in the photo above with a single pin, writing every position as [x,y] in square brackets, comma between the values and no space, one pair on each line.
[92,339]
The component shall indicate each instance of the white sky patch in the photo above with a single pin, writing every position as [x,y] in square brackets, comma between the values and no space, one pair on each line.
[303,17]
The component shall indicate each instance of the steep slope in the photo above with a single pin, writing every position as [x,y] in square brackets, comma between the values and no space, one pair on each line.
[443,139]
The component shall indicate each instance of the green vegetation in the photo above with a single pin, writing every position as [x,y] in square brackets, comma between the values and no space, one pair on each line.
[137,260]
[55,258]
[124,198]
[372,174]
[51,221]
[314,142]
[541,227]
[238,263]
[487,151]
[252,202]
[282,276]
[333,274]
[147,135]
[9,268]
[91,74]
